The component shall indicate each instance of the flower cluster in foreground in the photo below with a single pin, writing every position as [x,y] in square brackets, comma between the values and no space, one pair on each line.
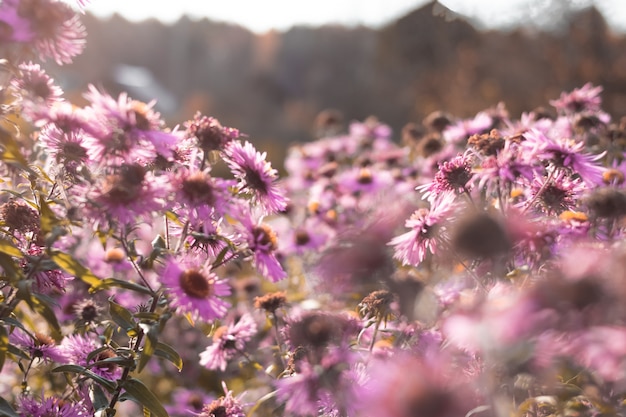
[474,267]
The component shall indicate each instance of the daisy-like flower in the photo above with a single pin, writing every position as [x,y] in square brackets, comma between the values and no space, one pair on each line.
[125,129]
[428,231]
[567,154]
[128,194]
[78,347]
[194,289]
[36,89]
[453,175]
[187,401]
[39,346]
[460,131]
[200,194]
[255,175]
[558,195]
[45,281]
[225,406]
[262,242]
[50,407]
[586,98]
[209,133]
[51,26]
[228,342]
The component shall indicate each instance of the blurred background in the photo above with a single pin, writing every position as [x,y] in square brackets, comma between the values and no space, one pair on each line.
[270,74]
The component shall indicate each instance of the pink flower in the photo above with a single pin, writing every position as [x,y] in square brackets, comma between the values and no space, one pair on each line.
[194,289]
[428,232]
[255,176]
[228,342]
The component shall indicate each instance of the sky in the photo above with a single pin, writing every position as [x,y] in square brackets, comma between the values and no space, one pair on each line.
[263,15]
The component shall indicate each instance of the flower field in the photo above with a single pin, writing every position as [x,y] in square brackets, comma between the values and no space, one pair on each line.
[458,268]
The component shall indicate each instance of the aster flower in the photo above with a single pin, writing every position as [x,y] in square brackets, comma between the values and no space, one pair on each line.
[428,232]
[125,130]
[453,175]
[186,401]
[79,347]
[364,181]
[50,407]
[565,153]
[125,196]
[36,89]
[333,384]
[209,133]
[45,280]
[52,27]
[225,406]
[200,194]
[580,99]
[194,289]
[262,242]
[460,131]
[39,346]
[555,195]
[255,175]
[228,342]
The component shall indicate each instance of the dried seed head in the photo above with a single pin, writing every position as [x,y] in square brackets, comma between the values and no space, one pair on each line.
[480,236]
[607,203]
[271,302]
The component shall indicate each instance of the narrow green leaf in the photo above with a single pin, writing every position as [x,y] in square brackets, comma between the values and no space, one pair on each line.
[144,396]
[6,409]
[70,265]
[8,248]
[40,304]
[121,316]
[167,352]
[81,370]
[13,272]
[100,401]
[15,351]
[148,348]
[4,345]
[112,282]
[146,412]
[47,217]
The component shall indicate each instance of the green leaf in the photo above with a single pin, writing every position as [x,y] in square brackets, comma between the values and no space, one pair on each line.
[4,345]
[13,272]
[15,351]
[168,353]
[81,370]
[39,303]
[70,265]
[122,317]
[10,151]
[144,396]
[47,217]
[112,282]
[148,347]
[6,409]
[8,248]
[100,401]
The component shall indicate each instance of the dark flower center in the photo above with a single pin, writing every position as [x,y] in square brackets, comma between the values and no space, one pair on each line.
[365,177]
[197,189]
[124,187]
[140,111]
[72,151]
[302,237]
[89,313]
[265,237]
[195,284]
[255,181]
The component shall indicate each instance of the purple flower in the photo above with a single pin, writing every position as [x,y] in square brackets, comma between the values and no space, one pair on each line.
[209,133]
[228,342]
[565,153]
[39,346]
[78,347]
[453,175]
[125,130]
[50,407]
[225,406]
[332,385]
[194,289]
[586,98]
[187,401]
[128,194]
[52,27]
[462,130]
[428,231]
[36,89]
[199,194]
[255,175]
[556,196]
[262,242]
